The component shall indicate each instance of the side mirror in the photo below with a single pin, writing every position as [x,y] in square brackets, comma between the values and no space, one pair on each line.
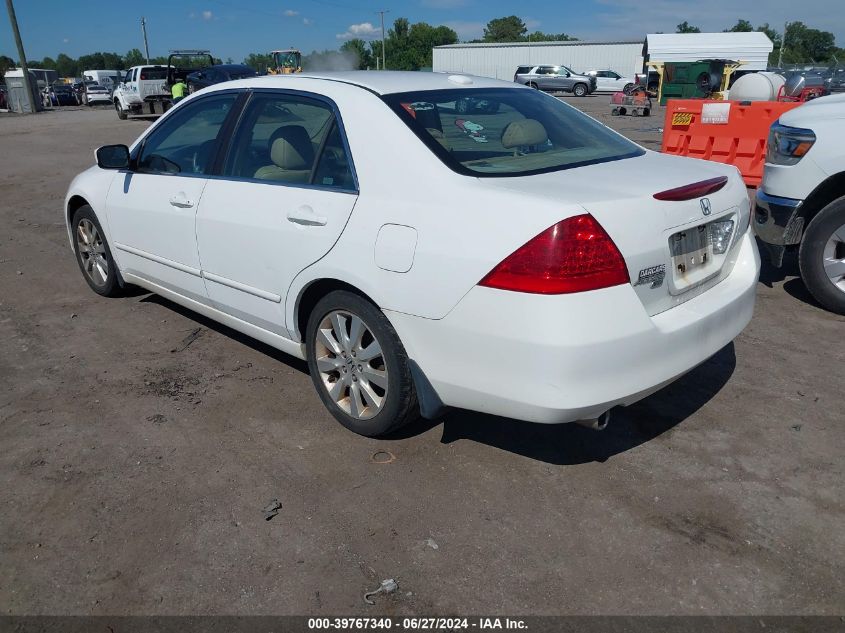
[112,157]
[568,75]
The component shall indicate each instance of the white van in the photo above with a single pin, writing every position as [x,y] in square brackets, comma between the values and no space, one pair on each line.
[107,78]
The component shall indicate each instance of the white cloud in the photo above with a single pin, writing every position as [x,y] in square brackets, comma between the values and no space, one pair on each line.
[467,30]
[307,21]
[207,15]
[291,13]
[365,31]
[66,40]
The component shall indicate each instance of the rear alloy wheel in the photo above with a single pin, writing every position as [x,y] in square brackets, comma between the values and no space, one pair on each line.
[358,365]
[531,84]
[93,254]
[822,256]
[579,90]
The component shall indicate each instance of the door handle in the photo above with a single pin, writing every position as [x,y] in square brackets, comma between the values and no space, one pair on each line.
[305,216]
[181,201]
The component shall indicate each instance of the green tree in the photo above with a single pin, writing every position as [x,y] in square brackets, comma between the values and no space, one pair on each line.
[66,66]
[134,57]
[5,64]
[508,29]
[539,36]
[259,62]
[358,47]
[686,27]
[770,33]
[409,45]
[741,26]
[803,44]
[49,63]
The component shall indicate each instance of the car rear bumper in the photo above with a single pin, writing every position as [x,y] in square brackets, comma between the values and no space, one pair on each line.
[778,223]
[553,359]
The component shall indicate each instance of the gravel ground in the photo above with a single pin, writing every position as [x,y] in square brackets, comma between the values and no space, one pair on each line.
[141,443]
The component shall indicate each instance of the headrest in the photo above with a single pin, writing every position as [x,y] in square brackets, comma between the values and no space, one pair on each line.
[290,148]
[524,132]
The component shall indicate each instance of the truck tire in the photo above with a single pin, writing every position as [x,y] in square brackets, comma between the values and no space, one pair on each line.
[821,257]
[579,90]
[121,113]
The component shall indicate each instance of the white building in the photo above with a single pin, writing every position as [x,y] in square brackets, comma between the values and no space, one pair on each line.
[752,47]
[500,60]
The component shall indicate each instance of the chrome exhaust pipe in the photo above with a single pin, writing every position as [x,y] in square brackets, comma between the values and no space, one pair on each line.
[597,424]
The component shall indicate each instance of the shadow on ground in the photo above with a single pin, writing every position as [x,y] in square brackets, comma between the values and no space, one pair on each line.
[559,444]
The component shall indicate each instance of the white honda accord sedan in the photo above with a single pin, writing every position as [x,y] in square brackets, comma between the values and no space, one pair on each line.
[426,241]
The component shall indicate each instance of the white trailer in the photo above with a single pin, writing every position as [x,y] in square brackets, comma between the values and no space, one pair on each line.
[500,60]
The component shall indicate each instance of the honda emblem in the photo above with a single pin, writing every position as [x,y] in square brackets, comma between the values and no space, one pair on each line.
[705,206]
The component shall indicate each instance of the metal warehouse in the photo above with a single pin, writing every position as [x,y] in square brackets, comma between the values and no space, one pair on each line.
[500,60]
[753,47]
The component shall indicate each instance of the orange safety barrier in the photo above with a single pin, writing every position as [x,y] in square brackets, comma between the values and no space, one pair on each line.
[722,131]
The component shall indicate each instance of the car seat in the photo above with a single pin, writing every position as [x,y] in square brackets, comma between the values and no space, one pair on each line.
[292,154]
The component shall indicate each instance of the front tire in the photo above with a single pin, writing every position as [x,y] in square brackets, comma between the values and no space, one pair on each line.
[822,257]
[580,90]
[121,113]
[359,366]
[93,253]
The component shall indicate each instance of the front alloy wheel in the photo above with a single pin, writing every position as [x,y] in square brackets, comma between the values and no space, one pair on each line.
[92,253]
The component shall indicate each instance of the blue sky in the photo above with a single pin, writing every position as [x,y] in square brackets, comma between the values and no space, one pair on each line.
[233,28]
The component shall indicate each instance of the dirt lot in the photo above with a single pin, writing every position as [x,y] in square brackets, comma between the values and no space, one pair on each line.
[135,466]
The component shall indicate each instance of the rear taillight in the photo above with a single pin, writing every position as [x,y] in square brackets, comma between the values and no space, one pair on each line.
[574,255]
[695,190]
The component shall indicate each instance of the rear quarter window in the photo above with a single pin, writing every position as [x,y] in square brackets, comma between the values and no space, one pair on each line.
[523,70]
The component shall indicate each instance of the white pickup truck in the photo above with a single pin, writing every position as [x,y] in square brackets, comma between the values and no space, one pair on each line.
[141,86]
[801,201]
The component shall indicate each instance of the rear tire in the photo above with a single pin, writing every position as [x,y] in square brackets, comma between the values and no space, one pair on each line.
[359,366]
[579,90]
[822,257]
[531,84]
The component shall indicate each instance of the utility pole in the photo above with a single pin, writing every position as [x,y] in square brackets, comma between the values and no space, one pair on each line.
[383,61]
[146,46]
[782,46]
[22,55]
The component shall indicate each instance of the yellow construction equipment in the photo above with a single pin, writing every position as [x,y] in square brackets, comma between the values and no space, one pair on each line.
[286,62]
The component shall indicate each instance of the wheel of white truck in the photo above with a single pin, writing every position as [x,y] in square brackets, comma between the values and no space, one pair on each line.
[121,113]
[822,257]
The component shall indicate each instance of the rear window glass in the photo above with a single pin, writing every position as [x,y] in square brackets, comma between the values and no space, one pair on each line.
[523,70]
[153,74]
[507,131]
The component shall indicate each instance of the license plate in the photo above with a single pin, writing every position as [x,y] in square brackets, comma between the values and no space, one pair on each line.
[681,118]
[690,251]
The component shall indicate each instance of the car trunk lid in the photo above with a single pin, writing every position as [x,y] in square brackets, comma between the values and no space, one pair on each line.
[671,247]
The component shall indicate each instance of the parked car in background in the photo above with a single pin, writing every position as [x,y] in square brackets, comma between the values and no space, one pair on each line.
[217,74]
[96,93]
[555,79]
[61,95]
[801,201]
[611,81]
[496,267]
